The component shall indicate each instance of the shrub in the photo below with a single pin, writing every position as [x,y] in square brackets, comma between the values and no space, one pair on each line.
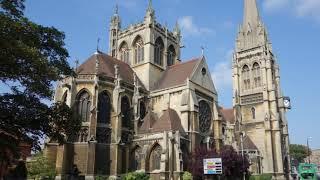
[40,167]
[261,177]
[187,176]
[136,176]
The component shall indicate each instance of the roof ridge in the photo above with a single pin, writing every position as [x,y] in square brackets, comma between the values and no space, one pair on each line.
[185,62]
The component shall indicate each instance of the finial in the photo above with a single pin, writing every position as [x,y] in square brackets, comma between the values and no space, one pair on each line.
[202,51]
[77,64]
[116,11]
[150,4]
[98,42]
[97,64]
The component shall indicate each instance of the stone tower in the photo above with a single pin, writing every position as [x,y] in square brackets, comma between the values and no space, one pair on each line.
[148,47]
[258,100]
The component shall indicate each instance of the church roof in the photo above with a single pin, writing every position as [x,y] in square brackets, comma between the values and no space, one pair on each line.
[106,67]
[227,115]
[169,121]
[248,144]
[177,74]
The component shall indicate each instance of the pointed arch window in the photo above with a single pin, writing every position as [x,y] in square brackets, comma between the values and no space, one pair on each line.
[253,113]
[104,108]
[158,51]
[205,117]
[256,75]
[84,104]
[124,53]
[155,157]
[136,159]
[138,50]
[142,110]
[171,55]
[246,77]
[126,112]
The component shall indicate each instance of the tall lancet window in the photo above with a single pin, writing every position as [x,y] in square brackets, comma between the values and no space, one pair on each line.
[138,50]
[124,52]
[246,77]
[171,55]
[158,52]
[256,75]
[104,108]
[84,106]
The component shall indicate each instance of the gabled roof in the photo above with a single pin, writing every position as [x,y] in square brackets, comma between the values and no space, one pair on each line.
[169,121]
[148,122]
[248,144]
[227,115]
[106,67]
[177,74]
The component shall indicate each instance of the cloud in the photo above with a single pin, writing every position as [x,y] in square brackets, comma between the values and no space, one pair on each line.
[189,27]
[300,8]
[222,72]
[271,5]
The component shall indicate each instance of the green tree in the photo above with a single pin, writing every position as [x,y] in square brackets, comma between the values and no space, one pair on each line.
[32,57]
[298,153]
[40,166]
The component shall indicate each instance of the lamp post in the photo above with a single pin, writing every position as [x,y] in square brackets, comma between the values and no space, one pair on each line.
[309,139]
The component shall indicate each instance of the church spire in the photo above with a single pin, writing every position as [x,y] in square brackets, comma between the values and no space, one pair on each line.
[251,16]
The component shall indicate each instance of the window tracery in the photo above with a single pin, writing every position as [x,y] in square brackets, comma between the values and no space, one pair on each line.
[171,55]
[104,108]
[84,104]
[256,75]
[158,52]
[246,77]
[205,117]
[138,50]
[155,158]
[124,53]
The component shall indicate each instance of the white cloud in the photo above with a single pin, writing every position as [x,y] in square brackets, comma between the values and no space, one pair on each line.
[190,28]
[222,72]
[300,8]
[272,5]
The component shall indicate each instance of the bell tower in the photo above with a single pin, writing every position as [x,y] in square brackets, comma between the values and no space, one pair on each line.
[257,98]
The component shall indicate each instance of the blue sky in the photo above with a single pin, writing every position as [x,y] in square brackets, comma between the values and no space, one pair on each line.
[293,27]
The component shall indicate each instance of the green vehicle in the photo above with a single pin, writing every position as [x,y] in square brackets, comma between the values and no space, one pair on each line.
[307,171]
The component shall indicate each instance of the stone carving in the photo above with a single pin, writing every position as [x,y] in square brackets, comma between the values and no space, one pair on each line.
[252,98]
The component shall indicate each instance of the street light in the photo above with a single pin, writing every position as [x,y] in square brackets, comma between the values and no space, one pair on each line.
[309,138]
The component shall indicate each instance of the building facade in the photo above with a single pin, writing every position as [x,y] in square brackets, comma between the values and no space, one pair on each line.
[142,109]
[258,101]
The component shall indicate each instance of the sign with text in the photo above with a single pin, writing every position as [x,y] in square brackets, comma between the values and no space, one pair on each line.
[212,166]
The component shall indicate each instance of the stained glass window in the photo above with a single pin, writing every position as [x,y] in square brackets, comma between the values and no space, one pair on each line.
[126,112]
[104,108]
[205,117]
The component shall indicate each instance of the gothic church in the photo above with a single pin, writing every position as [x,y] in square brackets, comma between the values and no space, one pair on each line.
[144,109]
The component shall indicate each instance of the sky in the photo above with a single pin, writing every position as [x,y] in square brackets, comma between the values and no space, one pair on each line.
[293,27]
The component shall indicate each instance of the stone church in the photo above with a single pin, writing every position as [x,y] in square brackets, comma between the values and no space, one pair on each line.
[144,109]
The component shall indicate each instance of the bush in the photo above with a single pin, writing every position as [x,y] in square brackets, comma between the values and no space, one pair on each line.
[187,176]
[261,177]
[41,167]
[136,176]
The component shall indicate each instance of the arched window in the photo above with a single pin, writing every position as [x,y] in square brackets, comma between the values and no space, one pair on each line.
[142,110]
[155,158]
[124,52]
[104,108]
[138,47]
[256,75]
[253,113]
[246,77]
[205,117]
[158,51]
[135,159]
[84,104]
[126,112]
[171,55]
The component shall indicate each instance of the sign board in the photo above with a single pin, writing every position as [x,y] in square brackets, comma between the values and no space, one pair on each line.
[212,166]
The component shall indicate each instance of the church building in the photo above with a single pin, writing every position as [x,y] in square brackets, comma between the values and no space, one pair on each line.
[141,107]
[144,109]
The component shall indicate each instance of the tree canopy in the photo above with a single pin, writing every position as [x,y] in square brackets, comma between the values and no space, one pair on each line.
[31,58]
[299,153]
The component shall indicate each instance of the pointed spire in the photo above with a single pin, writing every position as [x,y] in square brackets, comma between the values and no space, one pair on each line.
[251,16]
[150,5]
[116,11]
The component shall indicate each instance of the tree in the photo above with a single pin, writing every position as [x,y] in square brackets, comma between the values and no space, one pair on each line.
[298,153]
[31,58]
[40,166]
[234,165]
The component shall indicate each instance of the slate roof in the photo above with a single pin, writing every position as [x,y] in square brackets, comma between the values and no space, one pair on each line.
[106,67]
[227,115]
[169,121]
[248,144]
[177,74]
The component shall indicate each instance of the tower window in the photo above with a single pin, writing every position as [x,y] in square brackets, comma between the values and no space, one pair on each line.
[158,52]
[256,75]
[124,52]
[246,77]
[138,50]
[253,113]
[171,55]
